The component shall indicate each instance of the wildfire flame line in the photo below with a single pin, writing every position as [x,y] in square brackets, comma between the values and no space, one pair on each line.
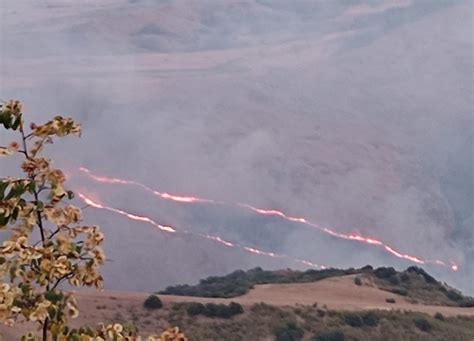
[94,204]
[162,195]
[271,212]
[169,229]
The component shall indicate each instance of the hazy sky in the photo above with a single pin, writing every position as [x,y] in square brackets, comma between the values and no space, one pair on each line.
[356,115]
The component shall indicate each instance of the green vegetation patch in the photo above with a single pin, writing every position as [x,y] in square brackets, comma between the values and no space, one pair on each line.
[289,332]
[266,322]
[214,310]
[330,335]
[240,282]
[153,302]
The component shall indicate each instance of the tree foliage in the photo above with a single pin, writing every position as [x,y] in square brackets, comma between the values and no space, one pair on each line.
[46,243]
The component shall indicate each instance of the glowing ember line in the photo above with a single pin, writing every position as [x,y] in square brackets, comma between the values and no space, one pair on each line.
[219,240]
[271,212]
[354,237]
[271,254]
[399,255]
[128,215]
[170,229]
[260,252]
[166,196]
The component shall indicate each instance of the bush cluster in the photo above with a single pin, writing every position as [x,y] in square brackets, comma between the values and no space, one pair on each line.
[289,332]
[214,310]
[330,335]
[394,280]
[404,277]
[422,324]
[385,273]
[454,295]
[369,319]
[420,271]
[240,282]
[153,302]
[467,302]
[399,291]
[353,319]
[461,300]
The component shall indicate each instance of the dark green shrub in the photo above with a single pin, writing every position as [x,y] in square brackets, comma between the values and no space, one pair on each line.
[353,319]
[393,280]
[467,302]
[357,281]
[263,308]
[219,310]
[370,319]
[194,309]
[404,277]
[399,291]
[321,312]
[454,295]
[222,311]
[331,335]
[422,324]
[235,308]
[423,273]
[289,332]
[439,316]
[210,310]
[384,272]
[153,302]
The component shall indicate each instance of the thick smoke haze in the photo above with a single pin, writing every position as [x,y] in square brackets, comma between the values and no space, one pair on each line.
[356,115]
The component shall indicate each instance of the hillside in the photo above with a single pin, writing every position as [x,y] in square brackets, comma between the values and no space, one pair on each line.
[414,284]
[333,305]
[297,140]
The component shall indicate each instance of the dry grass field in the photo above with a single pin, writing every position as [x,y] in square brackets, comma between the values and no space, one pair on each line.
[281,302]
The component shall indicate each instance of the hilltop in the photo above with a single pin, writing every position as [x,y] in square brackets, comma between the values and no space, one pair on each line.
[415,284]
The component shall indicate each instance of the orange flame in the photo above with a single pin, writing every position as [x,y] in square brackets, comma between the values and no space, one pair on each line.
[272,212]
[166,196]
[366,240]
[170,229]
[92,203]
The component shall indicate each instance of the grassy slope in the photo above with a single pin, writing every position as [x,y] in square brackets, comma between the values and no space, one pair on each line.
[414,283]
[260,321]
